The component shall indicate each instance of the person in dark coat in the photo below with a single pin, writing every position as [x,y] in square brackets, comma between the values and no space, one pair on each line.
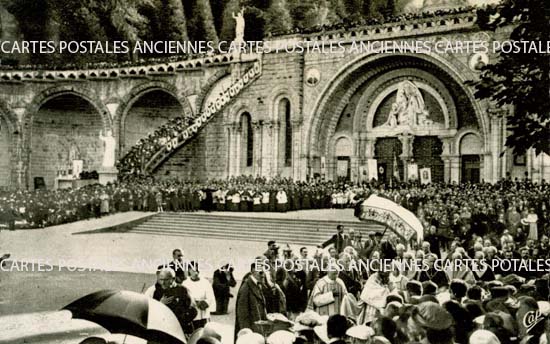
[175,296]
[251,305]
[293,287]
[338,240]
[222,283]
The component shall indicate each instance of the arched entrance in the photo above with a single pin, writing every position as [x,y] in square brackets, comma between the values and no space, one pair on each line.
[343,151]
[470,157]
[150,111]
[406,111]
[64,129]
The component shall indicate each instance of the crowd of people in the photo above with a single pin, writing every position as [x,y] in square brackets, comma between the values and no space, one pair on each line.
[42,208]
[371,289]
[520,206]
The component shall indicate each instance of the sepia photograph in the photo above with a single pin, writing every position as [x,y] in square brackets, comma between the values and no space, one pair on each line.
[274,171]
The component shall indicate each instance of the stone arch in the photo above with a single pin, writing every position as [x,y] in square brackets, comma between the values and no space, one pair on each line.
[235,111]
[205,90]
[85,93]
[341,138]
[275,97]
[464,133]
[319,116]
[137,93]
[342,146]
[54,136]
[387,83]
[9,142]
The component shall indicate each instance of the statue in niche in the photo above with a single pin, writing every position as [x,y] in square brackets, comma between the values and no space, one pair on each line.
[109,148]
[408,108]
[73,153]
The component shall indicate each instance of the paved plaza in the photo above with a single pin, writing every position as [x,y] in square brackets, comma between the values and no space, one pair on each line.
[83,259]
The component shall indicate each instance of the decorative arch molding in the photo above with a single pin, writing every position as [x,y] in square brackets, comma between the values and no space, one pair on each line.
[393,88]
[11,118]
[85,93]
[42,98]
[315,133]
[199,102]
[467,131]
[319,115]
[335,139]
[237,109]
[275,98]
[140,90]
[383,86]
[14,136]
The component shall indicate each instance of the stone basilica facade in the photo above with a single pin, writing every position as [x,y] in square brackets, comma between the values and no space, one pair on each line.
[309,114]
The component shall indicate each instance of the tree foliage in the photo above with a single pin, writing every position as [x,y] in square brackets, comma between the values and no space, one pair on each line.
[205,20]
[520,79]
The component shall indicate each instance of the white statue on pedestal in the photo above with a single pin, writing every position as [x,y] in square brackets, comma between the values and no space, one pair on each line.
[109,149]
[239,25]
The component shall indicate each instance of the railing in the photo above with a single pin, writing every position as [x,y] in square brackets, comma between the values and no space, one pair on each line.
[147,162]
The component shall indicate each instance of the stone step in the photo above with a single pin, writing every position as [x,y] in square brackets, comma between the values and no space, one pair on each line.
[295,240]
[293,231]
[251,227]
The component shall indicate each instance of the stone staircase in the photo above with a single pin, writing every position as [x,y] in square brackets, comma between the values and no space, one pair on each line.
[243,228]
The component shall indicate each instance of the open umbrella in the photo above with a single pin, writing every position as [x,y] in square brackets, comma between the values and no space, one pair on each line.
[400,220]
[130,313]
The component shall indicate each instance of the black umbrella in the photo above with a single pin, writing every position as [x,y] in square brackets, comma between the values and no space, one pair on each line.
[130,313]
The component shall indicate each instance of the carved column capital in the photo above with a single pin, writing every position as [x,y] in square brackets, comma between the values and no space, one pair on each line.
[296,123]
[447,145]
[407,146]
[257,125]
[370,143]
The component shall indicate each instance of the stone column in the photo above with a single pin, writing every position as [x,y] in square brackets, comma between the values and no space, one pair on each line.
[298,162]
[22,147]
[258,145]
[454,168]
[446,156]
[486,167]
[370,143]
[275,134]
[369,151]
[407,153]
[236,149]
[267,155]
[355,159]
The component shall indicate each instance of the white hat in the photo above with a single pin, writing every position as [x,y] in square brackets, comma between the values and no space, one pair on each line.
[251,338]
[483,337]
[362,332]
[281,337]
[544,307]
[307,321]
[244,331]
[321,332]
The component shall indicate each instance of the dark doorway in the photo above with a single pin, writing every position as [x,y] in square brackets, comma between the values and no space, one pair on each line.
[387,152]
[470,168]
[343,170]
[427,153]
